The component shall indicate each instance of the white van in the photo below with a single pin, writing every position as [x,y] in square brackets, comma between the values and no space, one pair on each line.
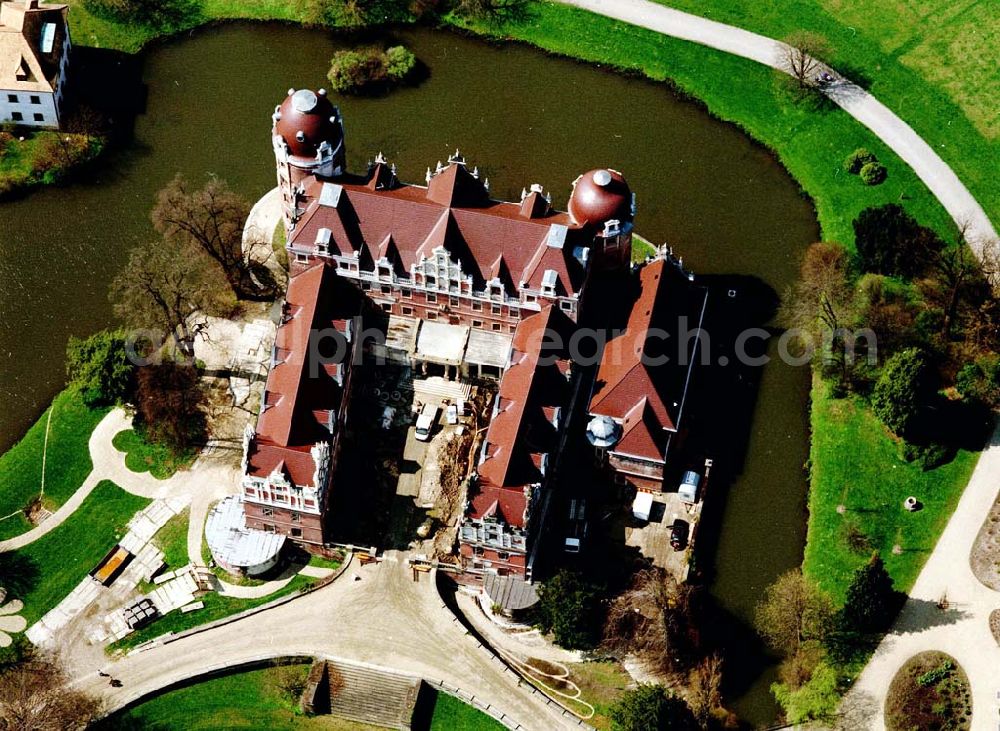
[426,421]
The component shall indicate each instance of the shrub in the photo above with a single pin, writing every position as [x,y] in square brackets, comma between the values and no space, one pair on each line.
[858,159]
[650,708]
[872,173]
[902,390]
[817,699]
[352,72]
[936,675]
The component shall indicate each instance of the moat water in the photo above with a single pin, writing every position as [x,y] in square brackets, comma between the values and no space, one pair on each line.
[724,203]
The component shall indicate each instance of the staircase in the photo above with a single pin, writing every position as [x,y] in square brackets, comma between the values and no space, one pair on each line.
[362,694]
[436,388]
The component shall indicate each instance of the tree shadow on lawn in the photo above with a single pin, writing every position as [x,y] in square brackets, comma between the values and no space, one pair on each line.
[18,574]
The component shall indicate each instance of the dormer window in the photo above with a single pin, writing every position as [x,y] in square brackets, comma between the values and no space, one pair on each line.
[549,280]
[612,228]
[323,237]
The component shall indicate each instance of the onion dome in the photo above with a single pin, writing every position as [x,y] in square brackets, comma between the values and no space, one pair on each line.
[599,196]
[306,119]
[603,431]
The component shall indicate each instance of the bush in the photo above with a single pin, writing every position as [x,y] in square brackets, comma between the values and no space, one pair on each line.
[935,676]
[650,708]
[980,380]
[902,390]
[370,69]
[817,699]
[872,173]
[858,159]
[157,13]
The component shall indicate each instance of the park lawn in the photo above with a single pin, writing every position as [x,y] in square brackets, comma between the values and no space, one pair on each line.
[143,456]
[854,462]
[216,607]
[172,540]
[810,143]
[450,713]
[601,685]
[249,700]
[66,467]
[62,558]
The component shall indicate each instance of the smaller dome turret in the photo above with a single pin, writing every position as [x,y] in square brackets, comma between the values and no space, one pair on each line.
[600,196]
[305,120]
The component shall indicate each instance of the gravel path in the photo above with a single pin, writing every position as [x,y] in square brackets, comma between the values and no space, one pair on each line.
[857,102]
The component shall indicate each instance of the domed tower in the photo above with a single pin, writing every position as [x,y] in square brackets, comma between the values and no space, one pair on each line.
[602,201]
[308,138]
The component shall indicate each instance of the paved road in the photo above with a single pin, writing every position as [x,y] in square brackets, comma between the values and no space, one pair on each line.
[861,105]
[384,619]
[962,630]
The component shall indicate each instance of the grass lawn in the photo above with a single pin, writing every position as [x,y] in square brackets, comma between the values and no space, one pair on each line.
[855,463]
[601,684]
[250,700]
[63,557]
[451,713]
[172,540]
[141,456]
[66,467]
[216,607]
[933,62]
[931,691]
[254,700]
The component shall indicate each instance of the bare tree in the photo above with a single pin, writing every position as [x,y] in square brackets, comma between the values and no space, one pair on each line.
[654,619]
[800,56]
[792,611]
[162,288]
[34,696]
[821,302]
[211,219]
[955,274]
[704,695]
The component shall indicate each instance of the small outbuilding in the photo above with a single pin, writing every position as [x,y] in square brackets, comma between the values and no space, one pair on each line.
[236,548]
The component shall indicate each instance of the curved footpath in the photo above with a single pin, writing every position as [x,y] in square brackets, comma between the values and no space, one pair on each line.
[962,629]
[893,131]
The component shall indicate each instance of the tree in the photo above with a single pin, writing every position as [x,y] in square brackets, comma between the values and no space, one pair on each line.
[35,696]
[956,276]
[156,13]
[211,220]
[705,693]
[890,241]
[902,390]
[815,700]
[872,600]
[100,367]
[820,303]
[570,607]
[793,611]
[494,12]
[170,405]
[161,288]
[800,56]
[650,708]
[656,620]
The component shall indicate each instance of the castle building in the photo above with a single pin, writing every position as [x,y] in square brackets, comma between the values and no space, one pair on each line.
[500,283]
[34,60]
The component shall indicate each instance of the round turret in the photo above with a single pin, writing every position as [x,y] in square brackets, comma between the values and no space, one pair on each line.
[600,196]
[305,120]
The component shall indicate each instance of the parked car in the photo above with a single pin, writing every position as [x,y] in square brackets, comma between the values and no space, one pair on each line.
[451,414]
[679,533]
[688,489]
[426,421]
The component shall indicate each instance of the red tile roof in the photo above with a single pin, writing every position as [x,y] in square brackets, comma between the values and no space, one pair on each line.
[521,432]
[453,211]
[627,388]
[302,396]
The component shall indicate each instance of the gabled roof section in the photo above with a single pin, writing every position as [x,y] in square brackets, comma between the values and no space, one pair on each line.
[303,395]
[455,187]
[641,396]
[32,37]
